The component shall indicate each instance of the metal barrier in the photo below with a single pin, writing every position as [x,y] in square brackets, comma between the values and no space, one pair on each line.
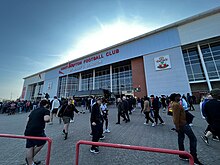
[130,147]
[33,138]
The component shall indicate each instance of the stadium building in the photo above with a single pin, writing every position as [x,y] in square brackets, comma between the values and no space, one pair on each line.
[181,57]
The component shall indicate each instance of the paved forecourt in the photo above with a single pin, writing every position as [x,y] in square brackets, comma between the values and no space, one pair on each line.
[132,133]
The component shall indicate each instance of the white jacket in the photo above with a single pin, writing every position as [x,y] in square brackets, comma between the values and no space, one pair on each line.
[55,104]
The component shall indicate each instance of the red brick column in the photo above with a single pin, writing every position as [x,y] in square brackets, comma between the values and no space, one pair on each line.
[138,76]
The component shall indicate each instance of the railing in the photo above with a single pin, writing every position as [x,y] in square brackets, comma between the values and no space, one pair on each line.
[33,138]
[130,147]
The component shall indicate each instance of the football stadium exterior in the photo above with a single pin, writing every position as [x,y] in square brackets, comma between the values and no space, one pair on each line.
[182,57]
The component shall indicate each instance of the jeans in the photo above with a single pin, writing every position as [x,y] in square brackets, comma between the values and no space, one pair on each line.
[157,116]
[148,117]
[186,129]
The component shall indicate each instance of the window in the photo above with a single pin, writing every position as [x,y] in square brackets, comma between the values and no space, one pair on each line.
[193,64]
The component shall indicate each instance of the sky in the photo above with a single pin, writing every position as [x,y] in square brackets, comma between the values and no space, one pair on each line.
[39,34]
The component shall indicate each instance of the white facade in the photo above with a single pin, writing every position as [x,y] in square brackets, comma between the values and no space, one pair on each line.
[165,82]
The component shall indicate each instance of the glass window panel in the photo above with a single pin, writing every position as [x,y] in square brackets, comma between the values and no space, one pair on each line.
[216,53]
[193,57]
[205,49]
[213,75]
[193,52]
[195,61]
[217,58]
[218,65]
[187,63]
[186,59]
[215,46]
[196,68]
[207,55]
[210,66]
[208,59]
[185,55]
[188,69]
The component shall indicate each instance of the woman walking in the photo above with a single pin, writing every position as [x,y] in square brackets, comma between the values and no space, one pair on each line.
[105,115]
[146,111]
[67,113]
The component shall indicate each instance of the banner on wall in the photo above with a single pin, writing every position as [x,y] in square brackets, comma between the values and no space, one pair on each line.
[162,62]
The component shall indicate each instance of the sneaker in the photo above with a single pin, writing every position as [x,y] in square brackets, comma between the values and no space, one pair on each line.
[197,162]
[153,124]
[94,150]
[37,162]
[71,121]
[215,138]
[191,124]
[146,124]
[183,158]
[102,137]
[107,131]
[205,139]
[162,123]
[117,123]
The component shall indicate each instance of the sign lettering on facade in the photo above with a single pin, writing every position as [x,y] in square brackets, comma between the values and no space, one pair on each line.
[87,62]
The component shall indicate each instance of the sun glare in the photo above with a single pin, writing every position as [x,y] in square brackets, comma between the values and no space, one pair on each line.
[106,36]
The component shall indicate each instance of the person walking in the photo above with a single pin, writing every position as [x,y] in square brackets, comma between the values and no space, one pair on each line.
[104,109]
[163,102]
[146,111]
[212,114]
[35,127]
[121,112]
[83,105]
[189,116]
[96,121]
[182,128]
[155,106]
[67,113]
[55,104]
[125,107]
[190,102]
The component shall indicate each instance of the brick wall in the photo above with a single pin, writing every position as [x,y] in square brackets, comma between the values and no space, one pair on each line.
[138,76]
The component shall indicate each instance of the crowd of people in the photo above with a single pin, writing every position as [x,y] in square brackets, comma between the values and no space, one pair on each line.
[177,106]
[18,106]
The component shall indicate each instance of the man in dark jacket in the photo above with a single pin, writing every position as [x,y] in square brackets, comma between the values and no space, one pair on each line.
[156,108]
[96,124]
[212,112]
[125,107]
[121,112]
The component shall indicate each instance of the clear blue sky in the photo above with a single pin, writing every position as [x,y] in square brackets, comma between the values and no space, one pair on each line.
[39,34]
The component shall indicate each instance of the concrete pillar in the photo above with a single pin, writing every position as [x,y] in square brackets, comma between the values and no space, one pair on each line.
[111,78]
[93,81]
[204,67]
